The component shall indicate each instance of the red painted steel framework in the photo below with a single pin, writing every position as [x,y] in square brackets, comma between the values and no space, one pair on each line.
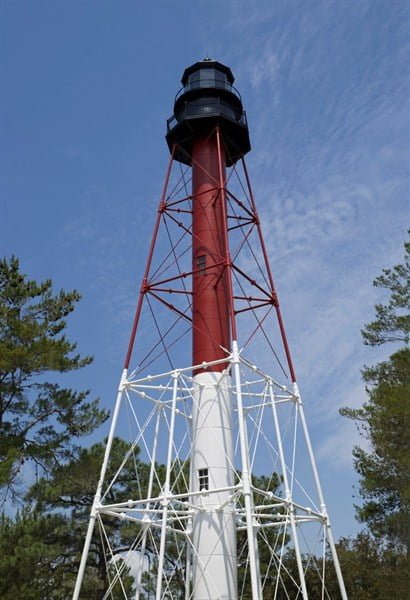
[213,297]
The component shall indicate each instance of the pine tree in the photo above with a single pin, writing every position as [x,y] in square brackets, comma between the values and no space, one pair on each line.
[67,492]
[384,419]
[39,419]
[37,559]
[32,547]
[370,570]
[392,322]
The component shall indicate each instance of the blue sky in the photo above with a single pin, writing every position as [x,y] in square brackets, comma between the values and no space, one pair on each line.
[86,88]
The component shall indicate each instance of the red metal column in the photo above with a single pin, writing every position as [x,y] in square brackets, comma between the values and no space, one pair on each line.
[211,302]
[148,264]
[270,276]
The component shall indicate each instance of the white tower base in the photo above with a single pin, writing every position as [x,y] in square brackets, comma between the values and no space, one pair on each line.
[214,572]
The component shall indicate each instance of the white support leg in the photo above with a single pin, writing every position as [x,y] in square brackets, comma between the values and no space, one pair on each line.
[166,491]
[321,497]
[149,493]
[188,570]
[288,495]
[97,497]
[246,482]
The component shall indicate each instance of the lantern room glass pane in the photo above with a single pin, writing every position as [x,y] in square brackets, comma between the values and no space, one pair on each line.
[204,78]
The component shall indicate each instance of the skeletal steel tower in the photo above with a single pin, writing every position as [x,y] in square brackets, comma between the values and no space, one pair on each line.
[209,488]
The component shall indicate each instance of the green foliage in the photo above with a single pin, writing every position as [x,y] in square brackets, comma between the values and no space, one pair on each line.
[372,572]
[69,490]
[385,471]
[32,557]
[72,485]
[392,322]
[384,419]
[38,418]
[36,560]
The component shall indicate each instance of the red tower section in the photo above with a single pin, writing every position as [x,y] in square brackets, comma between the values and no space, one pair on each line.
[211,296]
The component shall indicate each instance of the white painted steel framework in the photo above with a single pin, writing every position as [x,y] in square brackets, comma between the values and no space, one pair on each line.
[282,528]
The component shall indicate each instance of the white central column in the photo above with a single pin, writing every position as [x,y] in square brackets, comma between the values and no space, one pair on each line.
[214,569]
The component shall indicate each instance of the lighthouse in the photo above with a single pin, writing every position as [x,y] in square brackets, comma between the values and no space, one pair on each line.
[216,495]
[209,131]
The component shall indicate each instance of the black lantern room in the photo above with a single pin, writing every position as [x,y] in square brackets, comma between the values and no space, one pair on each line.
[208,99]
